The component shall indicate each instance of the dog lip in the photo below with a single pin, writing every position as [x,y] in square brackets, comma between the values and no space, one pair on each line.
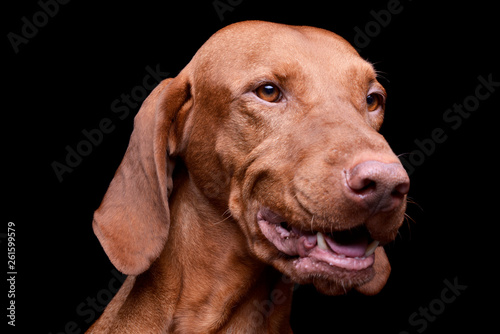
[314,247]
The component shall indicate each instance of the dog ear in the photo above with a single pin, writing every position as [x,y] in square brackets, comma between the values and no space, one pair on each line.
[382,272]
[132,222]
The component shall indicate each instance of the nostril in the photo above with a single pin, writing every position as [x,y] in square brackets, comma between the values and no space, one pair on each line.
[359,183]
[402,188]
[364,186]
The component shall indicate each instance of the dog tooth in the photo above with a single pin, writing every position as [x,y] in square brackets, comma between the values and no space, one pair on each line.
[371,248]
[321,241]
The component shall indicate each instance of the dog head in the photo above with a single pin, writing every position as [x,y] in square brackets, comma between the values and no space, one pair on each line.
[278,124]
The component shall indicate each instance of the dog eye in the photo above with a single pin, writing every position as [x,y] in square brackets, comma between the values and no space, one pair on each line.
[374,101]
[268,92]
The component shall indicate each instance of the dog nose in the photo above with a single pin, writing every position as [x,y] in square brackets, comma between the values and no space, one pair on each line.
[377,186]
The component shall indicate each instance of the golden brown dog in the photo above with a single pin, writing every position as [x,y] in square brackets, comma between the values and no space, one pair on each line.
[257,167]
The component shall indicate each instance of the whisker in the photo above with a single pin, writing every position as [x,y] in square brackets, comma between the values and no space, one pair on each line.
[408,218]
[227,212]
[382,75]
[399,235]
[410,200]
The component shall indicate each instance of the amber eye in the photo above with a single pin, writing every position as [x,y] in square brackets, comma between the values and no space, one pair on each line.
[268,92]
[374,101]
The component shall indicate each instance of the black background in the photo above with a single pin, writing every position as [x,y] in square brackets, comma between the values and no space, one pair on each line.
[66,77]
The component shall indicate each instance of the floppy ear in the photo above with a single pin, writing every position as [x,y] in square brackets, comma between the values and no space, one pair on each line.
[132,222]
[382,272]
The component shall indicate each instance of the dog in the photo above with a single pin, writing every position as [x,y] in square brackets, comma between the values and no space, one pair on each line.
[257,167]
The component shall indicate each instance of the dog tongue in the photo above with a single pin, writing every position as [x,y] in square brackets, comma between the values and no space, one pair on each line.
[353,248]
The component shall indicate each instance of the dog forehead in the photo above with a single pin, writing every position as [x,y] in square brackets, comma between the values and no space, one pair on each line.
[248,36]
[256,48]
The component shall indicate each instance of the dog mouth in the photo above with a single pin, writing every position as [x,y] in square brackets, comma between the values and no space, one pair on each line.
[326,253]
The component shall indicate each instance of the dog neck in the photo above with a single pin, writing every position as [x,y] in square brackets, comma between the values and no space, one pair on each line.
[206,280]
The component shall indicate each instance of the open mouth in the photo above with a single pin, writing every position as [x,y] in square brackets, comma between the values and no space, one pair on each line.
[323,252]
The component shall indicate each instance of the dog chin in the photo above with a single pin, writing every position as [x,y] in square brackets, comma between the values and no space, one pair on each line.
[333,288]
